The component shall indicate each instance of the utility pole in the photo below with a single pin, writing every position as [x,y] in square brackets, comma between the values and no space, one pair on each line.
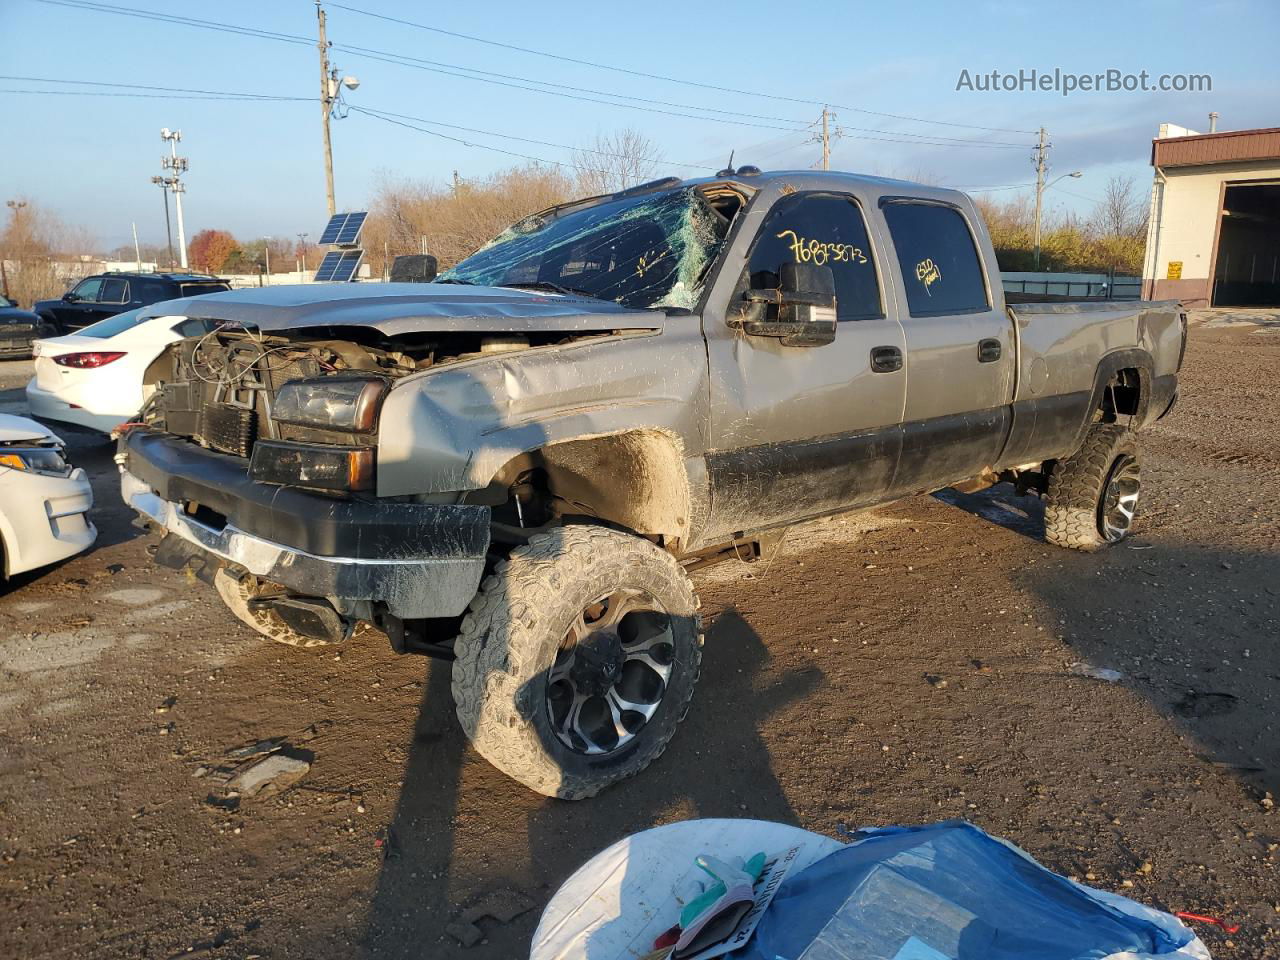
[1041,150]
[825,137]
[826,142]
[302,253]
[163,184]
[178,166]
[326,105]
[137,251]
[266,252]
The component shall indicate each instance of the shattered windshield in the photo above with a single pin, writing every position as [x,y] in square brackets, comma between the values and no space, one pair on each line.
[646,251]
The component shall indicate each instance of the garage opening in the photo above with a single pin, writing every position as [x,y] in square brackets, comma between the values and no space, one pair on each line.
[1247,273]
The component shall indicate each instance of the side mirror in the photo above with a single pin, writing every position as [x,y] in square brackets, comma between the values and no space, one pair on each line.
[801,312]
[70,296]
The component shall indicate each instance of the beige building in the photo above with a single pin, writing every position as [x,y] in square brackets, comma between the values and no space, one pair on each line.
[1214,233]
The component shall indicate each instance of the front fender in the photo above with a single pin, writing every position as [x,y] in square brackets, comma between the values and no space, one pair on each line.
[451,428]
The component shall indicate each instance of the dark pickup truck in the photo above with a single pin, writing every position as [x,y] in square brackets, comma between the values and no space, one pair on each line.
[515,467]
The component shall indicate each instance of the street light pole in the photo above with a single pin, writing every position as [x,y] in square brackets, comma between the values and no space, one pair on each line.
[266,252]
[302,250]
[163,184]
[1040,189]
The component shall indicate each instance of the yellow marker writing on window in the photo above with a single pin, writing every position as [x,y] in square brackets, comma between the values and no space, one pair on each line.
[927,273]
[819,253]
[644,263]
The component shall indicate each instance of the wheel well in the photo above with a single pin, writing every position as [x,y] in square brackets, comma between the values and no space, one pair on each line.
[1122,396]
[634,480]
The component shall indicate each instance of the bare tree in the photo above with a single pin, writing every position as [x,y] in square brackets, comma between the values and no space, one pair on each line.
[1122,212]
[39,251]
[615,162]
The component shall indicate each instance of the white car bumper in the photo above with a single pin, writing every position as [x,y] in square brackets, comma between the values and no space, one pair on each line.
[48,406]
[43,519]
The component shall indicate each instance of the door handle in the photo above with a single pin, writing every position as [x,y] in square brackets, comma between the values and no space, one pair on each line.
[886,359]
[988,351]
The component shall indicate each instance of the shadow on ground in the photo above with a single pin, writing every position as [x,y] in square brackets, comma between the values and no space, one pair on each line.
[425,885]
[1192,630]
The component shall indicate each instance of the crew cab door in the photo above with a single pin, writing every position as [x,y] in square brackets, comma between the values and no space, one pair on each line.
[798,431]
[960,347]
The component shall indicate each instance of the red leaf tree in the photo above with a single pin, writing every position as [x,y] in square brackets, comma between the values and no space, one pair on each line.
[211,249]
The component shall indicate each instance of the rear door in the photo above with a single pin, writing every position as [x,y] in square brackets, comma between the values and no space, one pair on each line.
[960,347]
[800,431]
[113,298]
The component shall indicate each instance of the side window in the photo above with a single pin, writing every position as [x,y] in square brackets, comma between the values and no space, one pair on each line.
[88,289]
[114,290]
[827,230]
[941,271]
[149,291]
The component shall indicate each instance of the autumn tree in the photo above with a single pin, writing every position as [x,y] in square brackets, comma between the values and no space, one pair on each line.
[210,250]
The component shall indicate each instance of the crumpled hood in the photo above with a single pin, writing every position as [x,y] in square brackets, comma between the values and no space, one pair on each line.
[21,430]
[399,308]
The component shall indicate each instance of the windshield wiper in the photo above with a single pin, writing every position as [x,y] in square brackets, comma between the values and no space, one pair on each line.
[469,283]
[554,287]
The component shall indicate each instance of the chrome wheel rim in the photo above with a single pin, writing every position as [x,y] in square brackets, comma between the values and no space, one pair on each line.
[1120,499]
[611,672]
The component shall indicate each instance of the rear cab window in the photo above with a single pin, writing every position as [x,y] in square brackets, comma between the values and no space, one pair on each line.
[826,230]
[196,289]
[941,270]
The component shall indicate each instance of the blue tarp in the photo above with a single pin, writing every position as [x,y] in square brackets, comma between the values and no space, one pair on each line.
[952,892]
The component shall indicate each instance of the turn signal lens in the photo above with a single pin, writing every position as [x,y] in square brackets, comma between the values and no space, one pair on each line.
[87,361]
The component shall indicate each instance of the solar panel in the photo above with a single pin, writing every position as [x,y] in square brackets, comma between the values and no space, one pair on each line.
[343,229]
[331,228]
[349,234]
[339,266]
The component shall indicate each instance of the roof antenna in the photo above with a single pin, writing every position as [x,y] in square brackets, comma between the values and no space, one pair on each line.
[727,171]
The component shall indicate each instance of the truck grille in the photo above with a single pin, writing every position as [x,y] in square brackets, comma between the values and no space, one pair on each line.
[229,429]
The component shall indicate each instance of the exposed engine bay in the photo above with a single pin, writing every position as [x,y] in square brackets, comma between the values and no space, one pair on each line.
[221,389]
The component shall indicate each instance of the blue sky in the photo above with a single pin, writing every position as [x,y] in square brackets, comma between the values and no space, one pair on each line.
[256,167]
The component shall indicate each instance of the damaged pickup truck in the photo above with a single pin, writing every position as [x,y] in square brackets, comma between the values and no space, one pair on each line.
[515,467]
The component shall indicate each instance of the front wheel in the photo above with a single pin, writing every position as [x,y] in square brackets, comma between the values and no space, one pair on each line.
[577,660]
[1093,494]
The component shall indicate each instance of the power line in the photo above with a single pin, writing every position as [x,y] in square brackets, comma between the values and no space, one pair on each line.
[658,76]
[440,67]
[385,114]
[145,86]
[468,143]
[148,96]
[521,83]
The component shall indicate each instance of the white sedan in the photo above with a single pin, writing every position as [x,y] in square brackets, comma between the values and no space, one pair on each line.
[44,502]
[96,377]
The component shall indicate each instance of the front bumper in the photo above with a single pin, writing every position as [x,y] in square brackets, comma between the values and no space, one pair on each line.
[43,519]
[420,560]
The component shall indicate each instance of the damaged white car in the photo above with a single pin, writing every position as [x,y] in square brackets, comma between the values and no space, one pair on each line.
[44,501]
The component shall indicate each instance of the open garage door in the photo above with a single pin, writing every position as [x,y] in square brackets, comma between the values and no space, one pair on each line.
[1247,268]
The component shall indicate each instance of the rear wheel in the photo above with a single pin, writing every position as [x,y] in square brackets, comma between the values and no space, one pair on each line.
[1093,494]
[577,660]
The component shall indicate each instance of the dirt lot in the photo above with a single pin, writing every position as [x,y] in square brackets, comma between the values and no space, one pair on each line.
[898,667]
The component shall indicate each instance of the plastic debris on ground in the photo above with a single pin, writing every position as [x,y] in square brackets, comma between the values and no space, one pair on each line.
[952,892]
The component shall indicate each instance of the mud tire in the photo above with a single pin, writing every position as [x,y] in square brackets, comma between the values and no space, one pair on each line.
[1078,483]
[510,637]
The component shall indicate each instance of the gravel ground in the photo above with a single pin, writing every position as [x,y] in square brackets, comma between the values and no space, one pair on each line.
[900,666]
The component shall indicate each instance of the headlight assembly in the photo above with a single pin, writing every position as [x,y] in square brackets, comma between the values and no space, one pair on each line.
[330,403]
[45,460]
